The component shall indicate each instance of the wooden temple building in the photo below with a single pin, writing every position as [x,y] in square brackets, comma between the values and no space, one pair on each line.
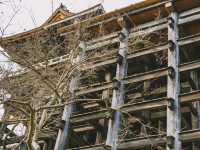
[144,88]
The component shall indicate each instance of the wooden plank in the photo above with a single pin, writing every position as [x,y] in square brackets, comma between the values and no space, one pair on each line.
[91,147]
[190,12]
[138,78]
[142,142]
[94,88]
[132,55]
[146,76]
[146,105]
[181,42]
[103,113]
[187,136]
[140,106]
[159,103]
[190,66]
[190,135]
[189,40]
[189,16]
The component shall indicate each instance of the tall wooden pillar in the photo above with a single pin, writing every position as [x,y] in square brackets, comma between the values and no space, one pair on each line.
[195,114]
[173,85]
[105,98]
[63,133]
[146,114]
[119,89]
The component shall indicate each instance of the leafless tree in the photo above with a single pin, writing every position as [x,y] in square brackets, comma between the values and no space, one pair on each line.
[42,87]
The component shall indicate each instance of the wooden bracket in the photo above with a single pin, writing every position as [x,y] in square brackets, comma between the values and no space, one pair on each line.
[171,22]
[119,59]
[171,45]
[125,22]
[129,22]
[111,113]
[170,141]
[171,72]
[125,98]
[171,103]
[121,36]
[116,84]
[60,124]
[170,6]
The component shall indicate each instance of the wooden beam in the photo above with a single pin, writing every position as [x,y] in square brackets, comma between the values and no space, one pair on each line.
[189,40]
[182,42]
[130,56]
[138,78]
[92,147]
[76,119]
[143,142]
[151,140]
[154,140]
[136,107]
[142,52]
[190,135]
[189,16]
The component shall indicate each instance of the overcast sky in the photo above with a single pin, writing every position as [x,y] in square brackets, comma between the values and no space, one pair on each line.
[32,13]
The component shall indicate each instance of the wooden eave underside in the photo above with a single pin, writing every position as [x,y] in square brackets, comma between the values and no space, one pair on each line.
[138,11]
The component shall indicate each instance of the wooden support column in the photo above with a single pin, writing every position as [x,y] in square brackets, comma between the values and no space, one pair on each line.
[119,89]
[146,113]
[195,114]
[105,98]
[173,83]
[63,133]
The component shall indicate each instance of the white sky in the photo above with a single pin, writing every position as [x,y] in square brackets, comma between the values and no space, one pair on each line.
[33,13]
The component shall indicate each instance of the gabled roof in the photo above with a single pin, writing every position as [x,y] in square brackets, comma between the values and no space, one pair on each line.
[59,14]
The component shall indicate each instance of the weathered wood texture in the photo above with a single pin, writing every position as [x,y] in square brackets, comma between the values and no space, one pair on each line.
[173,86]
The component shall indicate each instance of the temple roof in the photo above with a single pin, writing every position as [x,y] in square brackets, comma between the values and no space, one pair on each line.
[62,15]
[59,14]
